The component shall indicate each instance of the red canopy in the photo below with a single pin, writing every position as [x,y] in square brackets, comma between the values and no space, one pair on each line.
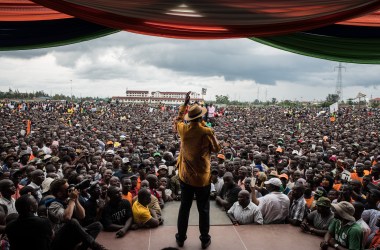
[212,19]
[24,10]
[372,20]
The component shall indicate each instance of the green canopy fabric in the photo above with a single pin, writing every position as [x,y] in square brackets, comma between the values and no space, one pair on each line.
[342,49]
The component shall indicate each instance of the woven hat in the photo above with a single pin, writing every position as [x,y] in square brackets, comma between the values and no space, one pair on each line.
[46,184]
[195,112]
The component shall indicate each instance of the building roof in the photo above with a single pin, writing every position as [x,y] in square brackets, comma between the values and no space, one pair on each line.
[376,99]
[138,91]
[174,93]
[130,97]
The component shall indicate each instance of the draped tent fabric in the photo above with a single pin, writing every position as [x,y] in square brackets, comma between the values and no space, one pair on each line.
[213,19]
[349,31]
[48,33]
[342,49]
[372,19]
[27,25]
[356,41]
[24,10]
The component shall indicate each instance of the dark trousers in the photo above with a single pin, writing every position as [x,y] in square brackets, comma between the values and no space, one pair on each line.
[202,195]
[72,233]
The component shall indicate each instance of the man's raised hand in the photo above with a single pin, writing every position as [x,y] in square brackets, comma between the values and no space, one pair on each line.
[187,98]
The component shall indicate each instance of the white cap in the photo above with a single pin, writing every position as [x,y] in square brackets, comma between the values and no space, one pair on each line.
[110,152]
[274,181]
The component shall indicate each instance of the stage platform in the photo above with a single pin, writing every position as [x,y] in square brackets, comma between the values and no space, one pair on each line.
[224,235]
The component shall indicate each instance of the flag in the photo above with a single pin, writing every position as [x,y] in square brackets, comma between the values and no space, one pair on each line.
[28,126]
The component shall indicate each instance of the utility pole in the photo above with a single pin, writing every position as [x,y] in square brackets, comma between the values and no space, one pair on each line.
[258,93]
[266,94]
[71,86]
[339,87]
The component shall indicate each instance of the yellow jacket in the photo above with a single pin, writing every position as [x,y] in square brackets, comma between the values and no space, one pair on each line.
[197,143]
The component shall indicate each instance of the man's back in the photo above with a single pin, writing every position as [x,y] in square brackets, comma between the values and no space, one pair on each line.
[31,232]
[197,143]
[274,207]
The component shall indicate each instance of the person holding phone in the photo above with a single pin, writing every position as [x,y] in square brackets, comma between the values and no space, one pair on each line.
[197,143]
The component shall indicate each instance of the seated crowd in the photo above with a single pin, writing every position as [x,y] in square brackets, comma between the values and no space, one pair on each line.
[112,167]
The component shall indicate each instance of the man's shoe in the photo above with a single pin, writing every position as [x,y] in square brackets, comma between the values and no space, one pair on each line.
[179,242]
[206,244]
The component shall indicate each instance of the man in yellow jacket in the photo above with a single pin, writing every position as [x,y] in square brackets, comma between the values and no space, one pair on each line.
[197,143]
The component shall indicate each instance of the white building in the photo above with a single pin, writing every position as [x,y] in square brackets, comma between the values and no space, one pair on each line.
[156,97]
[137,93]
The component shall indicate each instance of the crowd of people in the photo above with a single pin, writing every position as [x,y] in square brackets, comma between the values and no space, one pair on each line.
[71,170]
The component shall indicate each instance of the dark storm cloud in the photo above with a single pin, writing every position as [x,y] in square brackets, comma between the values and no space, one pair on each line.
[24,54]
[239,59]
[231,59]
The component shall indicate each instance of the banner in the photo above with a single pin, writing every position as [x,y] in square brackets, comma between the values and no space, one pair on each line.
[204,91]
[334,107]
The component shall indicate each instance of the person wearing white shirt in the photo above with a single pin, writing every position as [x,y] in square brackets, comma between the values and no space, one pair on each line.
[211,111]
[274,206]
[244,211]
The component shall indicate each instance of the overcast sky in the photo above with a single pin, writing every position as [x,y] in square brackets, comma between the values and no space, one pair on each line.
[240,68]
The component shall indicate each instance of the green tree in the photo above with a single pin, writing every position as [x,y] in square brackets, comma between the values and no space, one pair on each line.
[333,98]
[222,99]
[274,100]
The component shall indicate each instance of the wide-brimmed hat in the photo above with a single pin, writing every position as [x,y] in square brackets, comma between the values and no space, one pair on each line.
[195,112]
[46,184]
[345,210]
